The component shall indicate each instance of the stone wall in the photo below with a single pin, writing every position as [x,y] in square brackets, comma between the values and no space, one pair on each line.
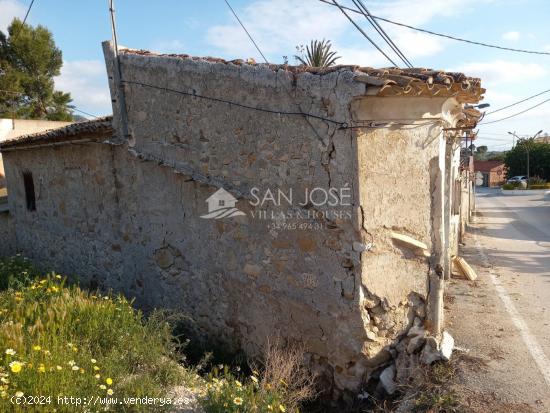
[128,216]
[7,235]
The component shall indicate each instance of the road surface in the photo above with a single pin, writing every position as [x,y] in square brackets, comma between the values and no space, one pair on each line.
[504,317]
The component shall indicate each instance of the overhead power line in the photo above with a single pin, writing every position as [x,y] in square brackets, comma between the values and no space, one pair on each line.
[518,102]
[516,114]
[24,21]
[11,92]
[382,32]
[246,31]
[232,103]
[444,35]
[362,31]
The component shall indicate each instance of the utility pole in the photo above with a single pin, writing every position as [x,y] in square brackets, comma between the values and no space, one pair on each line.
[117,75]
[527,145]
[514,137]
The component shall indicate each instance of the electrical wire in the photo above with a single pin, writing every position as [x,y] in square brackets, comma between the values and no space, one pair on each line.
[24,21]
[246,31]
[518,102]
[382,32]
[444,35]
[516,114]
[72,108]
[240,105]
[335,3]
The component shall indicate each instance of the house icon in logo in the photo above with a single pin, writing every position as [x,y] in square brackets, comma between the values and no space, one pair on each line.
[221,204]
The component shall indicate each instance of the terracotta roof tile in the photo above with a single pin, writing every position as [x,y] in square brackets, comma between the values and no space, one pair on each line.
[390,81]
[97,128]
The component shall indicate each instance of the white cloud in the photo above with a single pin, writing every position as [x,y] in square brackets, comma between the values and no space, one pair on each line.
[498,72]
[86,80]
[277,26]
[512,36]
[8,10]
[171,46]
[417,12]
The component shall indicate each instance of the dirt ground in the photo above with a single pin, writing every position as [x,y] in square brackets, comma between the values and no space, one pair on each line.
[499,321]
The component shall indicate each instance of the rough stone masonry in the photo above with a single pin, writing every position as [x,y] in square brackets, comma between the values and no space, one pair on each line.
[123,207]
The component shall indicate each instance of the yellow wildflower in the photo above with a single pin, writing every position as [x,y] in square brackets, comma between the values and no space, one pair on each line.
[16,366]
[93,361]
[58,276]
[59,367]
[269,407]
[71,363]
[75,368]
[254,379]
[110,392]
[10,352]
[96,368]
[238,383]
[282,408]
[109,381]
[238,401]
[41,368]
[4,380]
[102,386]
[97,376]
[19,394]
[81,370]
[36,348]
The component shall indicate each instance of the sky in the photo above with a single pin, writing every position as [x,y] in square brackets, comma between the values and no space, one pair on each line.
[207,28]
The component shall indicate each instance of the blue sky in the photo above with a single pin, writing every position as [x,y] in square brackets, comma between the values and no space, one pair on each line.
[208,28]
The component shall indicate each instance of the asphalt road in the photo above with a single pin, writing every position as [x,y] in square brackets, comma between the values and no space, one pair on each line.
[504,317]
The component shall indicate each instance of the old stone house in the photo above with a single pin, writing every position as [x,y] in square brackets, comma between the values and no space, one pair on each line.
[493,172]
[340,178]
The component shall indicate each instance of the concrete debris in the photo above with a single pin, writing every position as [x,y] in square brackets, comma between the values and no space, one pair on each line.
[430,352]
[363,396]
[411,243]
[416,344]
[434,351]
[446,346]
[464,268]
[387,379]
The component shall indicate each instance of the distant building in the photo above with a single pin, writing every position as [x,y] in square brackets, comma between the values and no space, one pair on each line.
[494,172]
[13,128]
[543,138]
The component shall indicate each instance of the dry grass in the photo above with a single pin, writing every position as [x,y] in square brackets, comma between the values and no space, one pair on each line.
[284,368]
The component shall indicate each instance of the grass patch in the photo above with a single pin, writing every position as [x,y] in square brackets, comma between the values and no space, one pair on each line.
[61,340]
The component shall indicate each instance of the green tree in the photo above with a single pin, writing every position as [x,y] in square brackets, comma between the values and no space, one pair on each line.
[317,54]
[480,153]
[29,60]
[539,159]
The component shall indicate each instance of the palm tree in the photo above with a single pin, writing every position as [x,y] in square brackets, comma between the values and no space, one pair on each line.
[318,54]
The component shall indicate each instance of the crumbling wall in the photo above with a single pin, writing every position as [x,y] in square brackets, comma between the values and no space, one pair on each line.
[395,197]
[129,216]
[264,279]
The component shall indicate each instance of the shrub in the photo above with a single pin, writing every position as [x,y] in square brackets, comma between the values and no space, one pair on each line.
[539,186]
[509,186]
[59,340]
[536,180]
[281,386]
